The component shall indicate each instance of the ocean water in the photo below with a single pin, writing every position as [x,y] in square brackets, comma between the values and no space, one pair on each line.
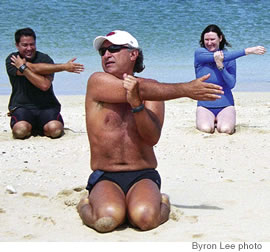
[168,32]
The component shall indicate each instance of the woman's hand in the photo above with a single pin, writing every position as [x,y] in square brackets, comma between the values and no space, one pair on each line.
[259,50]
[219,57]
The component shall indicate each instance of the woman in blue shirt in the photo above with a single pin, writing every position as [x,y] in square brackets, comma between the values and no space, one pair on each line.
[213,58]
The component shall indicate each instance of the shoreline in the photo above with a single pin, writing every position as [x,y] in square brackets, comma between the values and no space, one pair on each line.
[218,184]
[63,85]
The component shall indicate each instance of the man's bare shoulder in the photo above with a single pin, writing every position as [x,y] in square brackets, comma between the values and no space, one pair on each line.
[101,77]
[97,76]
[97,80]
[105,87]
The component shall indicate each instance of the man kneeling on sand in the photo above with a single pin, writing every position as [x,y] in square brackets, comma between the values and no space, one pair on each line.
[124,117]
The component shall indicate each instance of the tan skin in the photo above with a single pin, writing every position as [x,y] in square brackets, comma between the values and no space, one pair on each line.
[123,141]
[226,119]
[110,119]
[38,75]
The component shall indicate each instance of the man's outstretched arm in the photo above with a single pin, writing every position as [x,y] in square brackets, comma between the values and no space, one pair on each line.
[45,68]
[196,89]
[105,87]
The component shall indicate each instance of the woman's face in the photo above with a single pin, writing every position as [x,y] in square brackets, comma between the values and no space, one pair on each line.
[212,41]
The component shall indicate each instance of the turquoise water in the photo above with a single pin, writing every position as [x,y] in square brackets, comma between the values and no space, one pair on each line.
[168,32]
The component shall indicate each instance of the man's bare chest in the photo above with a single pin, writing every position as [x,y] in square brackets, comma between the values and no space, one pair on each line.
[118,117]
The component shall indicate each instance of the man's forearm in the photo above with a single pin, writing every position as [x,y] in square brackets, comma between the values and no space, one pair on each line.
[196,89]
[40,81]
[155,91]
[148,126]
[44,68]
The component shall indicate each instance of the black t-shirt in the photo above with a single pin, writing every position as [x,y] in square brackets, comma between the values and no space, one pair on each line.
[24,93]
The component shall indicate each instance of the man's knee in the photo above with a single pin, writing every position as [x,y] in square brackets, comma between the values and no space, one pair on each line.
[110,216]
[104,219]
[53,129]
[21,130]
[105,224]
[144,216]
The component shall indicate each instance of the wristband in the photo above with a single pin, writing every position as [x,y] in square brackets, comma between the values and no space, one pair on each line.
[22,68]
[138,109]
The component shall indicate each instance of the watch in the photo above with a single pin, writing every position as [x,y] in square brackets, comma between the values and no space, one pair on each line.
[138,109]
[220,68]
[22,68]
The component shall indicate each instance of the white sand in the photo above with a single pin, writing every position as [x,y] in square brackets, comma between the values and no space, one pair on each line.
[219,185]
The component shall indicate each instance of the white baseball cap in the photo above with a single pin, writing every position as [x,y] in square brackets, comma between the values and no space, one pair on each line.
[116,37]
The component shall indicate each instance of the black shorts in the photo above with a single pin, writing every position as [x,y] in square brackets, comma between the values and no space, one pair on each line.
[36,117]
[124,179]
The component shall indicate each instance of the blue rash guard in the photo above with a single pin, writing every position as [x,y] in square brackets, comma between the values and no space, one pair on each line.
[204,63]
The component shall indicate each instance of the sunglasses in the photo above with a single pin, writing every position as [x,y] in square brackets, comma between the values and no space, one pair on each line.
[111,49]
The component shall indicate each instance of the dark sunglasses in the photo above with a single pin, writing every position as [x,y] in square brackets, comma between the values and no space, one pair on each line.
[111,49]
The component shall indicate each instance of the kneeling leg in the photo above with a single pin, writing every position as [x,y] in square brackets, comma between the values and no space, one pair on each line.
[104,209]
[147,207]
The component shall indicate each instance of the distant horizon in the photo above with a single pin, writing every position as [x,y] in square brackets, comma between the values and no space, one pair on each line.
[168,33]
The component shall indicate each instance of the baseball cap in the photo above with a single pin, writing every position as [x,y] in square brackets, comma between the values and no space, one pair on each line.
[116,37]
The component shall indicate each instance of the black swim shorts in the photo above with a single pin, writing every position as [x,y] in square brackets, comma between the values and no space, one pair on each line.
[124,179]
[36,117]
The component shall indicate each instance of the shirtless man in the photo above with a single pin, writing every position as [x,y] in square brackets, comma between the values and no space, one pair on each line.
[124,117]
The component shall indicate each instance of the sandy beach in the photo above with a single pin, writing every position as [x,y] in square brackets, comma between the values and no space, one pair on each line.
[219,185]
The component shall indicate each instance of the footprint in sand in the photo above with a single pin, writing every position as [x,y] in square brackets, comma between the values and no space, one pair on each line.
[44,220]
[2,210]
[177,215]
[195,236]
[31,194]
[28,237]
[71,197]
[191,219]
[247,127]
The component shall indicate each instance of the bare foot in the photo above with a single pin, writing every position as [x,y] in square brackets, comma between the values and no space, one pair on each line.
[165,200]
[102,225]
[83,202]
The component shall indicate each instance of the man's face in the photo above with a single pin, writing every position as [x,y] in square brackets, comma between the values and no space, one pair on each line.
[212,41]
[117,63]
[27,47]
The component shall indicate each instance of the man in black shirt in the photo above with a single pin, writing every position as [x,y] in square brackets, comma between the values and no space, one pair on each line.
[33,106]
